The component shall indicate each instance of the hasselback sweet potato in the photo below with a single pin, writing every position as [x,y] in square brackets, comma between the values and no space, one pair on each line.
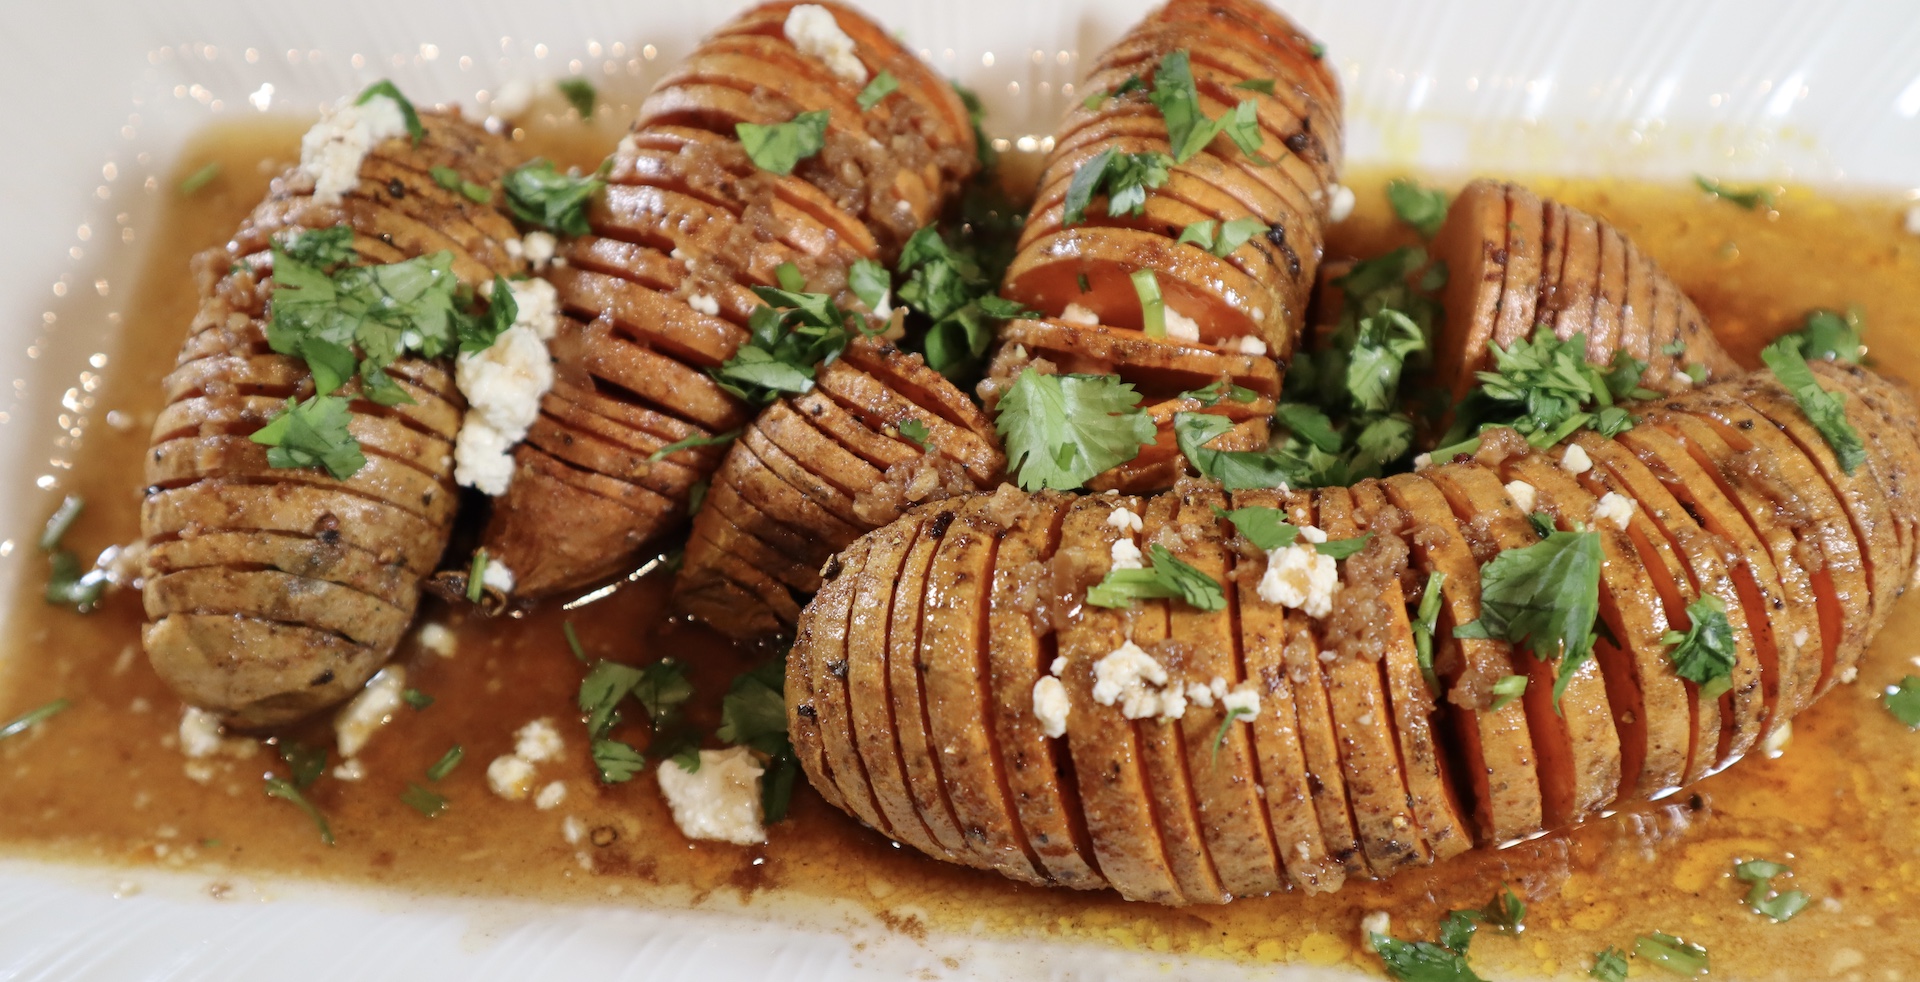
[1230,229]
[1089,741]
[658,293]
[1517,261]
[273,590]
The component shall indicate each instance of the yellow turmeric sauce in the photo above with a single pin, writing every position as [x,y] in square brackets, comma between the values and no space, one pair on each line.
[106,782]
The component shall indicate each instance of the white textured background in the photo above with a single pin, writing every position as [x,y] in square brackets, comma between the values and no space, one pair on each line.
[100,97]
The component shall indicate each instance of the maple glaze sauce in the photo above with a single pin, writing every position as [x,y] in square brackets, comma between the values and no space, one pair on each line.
[106,782]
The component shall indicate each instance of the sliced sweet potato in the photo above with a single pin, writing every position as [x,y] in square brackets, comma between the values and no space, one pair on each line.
[1473,244]
[827,657]
[1518,309]
[1571,304]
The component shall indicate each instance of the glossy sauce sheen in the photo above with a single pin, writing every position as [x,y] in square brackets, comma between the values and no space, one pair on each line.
[105,781]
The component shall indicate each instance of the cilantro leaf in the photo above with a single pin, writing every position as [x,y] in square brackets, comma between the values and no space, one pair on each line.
[541,196]
[322,247]
[1671,953]
[428,803]
[1219,239]
[788,335]
[716,440]
[385,87]
[1831,336]
[1061,430]
[916,431]
[1098,96]
[1903,701]
[1705,654]
[1236,470]
[305,764]
[617,762]
[451,180]
[1610,966]
[580,94]
[1264,86]
[1505,911]
[1125,178]
[70,586]
[1164,576]
[1750,199]
[1267,528]
[1544,389]
[416,699]
[312,434]
[447,762]
[1426,623]
[61,522]
[33,717]
[870,282]
[754,714]
[779,147]
[1342,548]
[662,688]
[1218,389]
[1507,689]
[1422,961]
[1825,410]
[1545,596]
[1423,208]
[601,691]
[286,791]
[882,86]
[1188,129]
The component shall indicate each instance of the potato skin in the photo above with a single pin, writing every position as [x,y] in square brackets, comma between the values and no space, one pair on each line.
[1418,778]
[271,593]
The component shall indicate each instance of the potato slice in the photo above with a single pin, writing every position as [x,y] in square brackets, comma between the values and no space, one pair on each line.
[310,558]
[1570,301]
[1518,308]
[1473,244]
[828,655]
[1610,300]
[224,660]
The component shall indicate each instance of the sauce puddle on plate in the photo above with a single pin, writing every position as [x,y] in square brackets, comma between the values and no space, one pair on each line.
[106,781]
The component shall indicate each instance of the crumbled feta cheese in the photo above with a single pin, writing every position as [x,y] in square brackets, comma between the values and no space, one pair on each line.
[1525,496]
[350,769]
[1250,345]
[1126,555]
[1051,706]
[551,796]
[510,777]
[1614,507]
[573,829]
[1129,676]
[539,249]
[503,384]
[1199,695]
[1341,204]
[200,734]
[721,800]
[1575,460]
[704,304]
[1422,461]
[497,576]
[1913,220]
[1125,520]
[332,150]
[121,565]
[1243,700]
[439,639]
[812,29]
[1299,577]
[1059,665]
[1181,326]
[513,98]
[1313,534]
[538,741]
[1377,922]
[1076,314]
[1218,686]
[356,722]
[1776,742]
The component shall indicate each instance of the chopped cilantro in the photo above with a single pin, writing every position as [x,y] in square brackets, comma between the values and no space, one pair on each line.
[304,764]
[790,278]
[1211,393]
[1098,96]
[312,434]
[323,247]
[1705,654]
[447,762]
[1268,529]
[788,335]
[952,287]
[451,180]
[601,692]
[1153,309]
[477,577]
[778,147]
[1164,576]
[870,282]
[716,440]
[1750,199]
[1423,208]
[580,94]
[882,86]
[1422,961]
[1188,129]
[1226,726]
[385,87]
[67,585]
[425,802]
[1317,50]
[977,117]
[1671,953]
[1125,178]
[541,196]
[1545,390]
[1610,966]
[616,761]
[1903,701]
[1061,430]
[573,642]
[1342,548]
[1831,336]
[662,689]
[916,431]
[200,178]
[1219,239]
[1507,689]
[33,717]
[753,714]
[1762,898]
[1426,625]
[286,791]
[61,522]
[416,699]
[1236,470]
[1824,409]
[1505,912]
[1545,596]
[1264,86]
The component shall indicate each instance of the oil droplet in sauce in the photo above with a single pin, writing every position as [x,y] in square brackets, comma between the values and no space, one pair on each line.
[106,781]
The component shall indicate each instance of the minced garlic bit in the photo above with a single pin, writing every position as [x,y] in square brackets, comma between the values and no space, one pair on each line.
[1126,555]
[350,769]
[497,576]
[551,796]
[510,777]
[1181,326]
[1340,205]
[1125,520]
[1059,666]
[718,802]
[1129,677]
[1614,507]
[704,304]
[1525,496]
[1375,923]
[1422,461]
[1076,314]
[538,741]
[812,29]
[439,639]
[1051,706]
[333,149]
[1251,345]
[356,722]
[536,247]
[503,384]
[200,733]
[1202,695]
[1575,460]
[1776,742]
[1299,577]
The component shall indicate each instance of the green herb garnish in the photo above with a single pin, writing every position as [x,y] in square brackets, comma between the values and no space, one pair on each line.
[1098,96]
[447,762]
[286,791]
[200,178]
[304,764]
[1544,389]
[716,440]
[952,287]
[753,714]
[451,180]
[1750,199]
[1545,596]
[1826,410]
[580,94]
[787,336]
[916,431]
[778,147]
[1705,654]
[1061,430]
[312,434]
[61,522]
[1671,953]
[1426,625]
[616,761]
[477,576]
[1211,393]
[1423,208]
[386,88]
[1226,726]
[1831,336]
[1153,309]
[541,196]
[1609,966]
[1125,178]
[1507,689]
[416,699]
[425,802]
[1164,576]
[1220,239]
[1264,86]
[1762,898]
[33,717]
[1903,700]
[882,86]
[870,282]
[1188,129]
